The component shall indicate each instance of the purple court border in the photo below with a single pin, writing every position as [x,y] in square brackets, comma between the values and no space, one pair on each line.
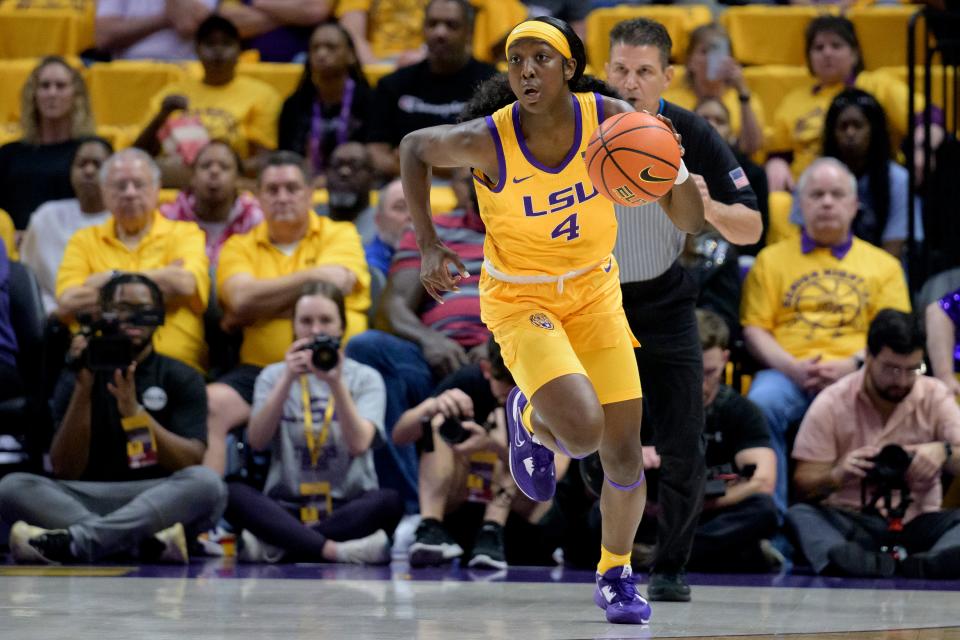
[228,569]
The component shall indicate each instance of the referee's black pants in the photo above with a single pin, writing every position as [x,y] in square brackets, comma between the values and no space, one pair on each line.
[661,315]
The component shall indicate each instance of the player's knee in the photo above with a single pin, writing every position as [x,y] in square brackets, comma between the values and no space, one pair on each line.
[622,461]
[581,434]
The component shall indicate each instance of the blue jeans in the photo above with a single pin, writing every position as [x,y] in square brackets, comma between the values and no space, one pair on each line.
[409,381]
[782,403]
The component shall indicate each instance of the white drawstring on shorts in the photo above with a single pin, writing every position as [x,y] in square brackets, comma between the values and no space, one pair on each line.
[544,279]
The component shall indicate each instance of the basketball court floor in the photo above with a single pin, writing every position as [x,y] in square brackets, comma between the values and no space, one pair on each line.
[218,599]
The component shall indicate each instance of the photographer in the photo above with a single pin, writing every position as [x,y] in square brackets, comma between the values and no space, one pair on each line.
[879,513]
[319,413]
[131,432]
[461,436]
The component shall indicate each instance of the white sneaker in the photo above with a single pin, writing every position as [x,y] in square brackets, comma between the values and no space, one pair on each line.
[174,541]
[33,545]
[254,551]
[373,549]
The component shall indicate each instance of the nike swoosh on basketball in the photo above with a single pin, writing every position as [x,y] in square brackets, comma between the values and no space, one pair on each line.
[647,177]
[519,180]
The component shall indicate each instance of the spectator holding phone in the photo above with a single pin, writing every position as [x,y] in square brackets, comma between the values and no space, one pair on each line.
[711,72]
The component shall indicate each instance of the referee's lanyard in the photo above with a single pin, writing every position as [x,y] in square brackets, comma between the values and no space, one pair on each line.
[315,441]
[318,127]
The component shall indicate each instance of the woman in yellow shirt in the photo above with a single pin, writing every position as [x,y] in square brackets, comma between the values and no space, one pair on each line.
[549,290]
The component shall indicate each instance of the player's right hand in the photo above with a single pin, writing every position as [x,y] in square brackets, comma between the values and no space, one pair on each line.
[435,270]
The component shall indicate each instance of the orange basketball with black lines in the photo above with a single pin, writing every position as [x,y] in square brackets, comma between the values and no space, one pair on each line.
[633,158]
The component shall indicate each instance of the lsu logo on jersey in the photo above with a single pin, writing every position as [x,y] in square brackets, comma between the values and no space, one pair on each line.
[541,320]
[559,200]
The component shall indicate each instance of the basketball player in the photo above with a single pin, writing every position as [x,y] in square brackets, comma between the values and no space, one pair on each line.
[659,296]
[550,289]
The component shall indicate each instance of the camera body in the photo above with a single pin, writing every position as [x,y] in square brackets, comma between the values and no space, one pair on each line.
[718,476]
[108,349]
[325,352]
[452,431]
[890,466]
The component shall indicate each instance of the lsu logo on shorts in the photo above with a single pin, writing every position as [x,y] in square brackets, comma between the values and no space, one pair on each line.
[542,321]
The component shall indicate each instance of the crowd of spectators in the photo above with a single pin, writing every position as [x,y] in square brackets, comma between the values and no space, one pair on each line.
[275,368]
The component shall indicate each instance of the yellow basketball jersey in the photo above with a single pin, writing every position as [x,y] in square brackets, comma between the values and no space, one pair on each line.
[544,220]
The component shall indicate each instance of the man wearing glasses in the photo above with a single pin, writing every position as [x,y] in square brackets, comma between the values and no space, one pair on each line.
[844,460]
[808,301]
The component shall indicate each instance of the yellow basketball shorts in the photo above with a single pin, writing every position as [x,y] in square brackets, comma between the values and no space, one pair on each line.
[544,333]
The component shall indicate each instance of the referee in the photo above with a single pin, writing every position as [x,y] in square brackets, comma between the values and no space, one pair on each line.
[659,296]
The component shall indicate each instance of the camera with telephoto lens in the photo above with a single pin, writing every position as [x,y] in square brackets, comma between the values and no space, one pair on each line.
[453,432]
[326,352]
[108,348]
[890,466]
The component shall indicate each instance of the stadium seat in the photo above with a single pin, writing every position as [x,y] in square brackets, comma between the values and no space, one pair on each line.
[679,20]
[377,70]
[495,19]
[772,83]
[120,91]
[780,226]
[283,77]
[13,75]
[40,31]
[761,34]
[882,32]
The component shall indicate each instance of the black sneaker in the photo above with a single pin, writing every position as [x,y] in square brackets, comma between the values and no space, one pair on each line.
[668,587]
[31,545]
[488,548]
[850,559]
[432,545]
[943,565]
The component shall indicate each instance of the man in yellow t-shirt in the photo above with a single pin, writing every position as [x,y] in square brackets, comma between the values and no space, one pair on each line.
[137,238]
[189,113]
[808,302]
[260,276]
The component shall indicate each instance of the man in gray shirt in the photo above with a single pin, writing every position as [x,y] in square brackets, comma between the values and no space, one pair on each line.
[659,296]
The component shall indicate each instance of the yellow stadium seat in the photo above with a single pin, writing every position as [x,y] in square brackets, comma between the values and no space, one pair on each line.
[283,77]
[936,86]
[121,90]
[13,75]
[679,20]
[761,34]
[27,32]
[377,70]
[882,32]
[773,82]
[780,226]
[120,136]
[495,19]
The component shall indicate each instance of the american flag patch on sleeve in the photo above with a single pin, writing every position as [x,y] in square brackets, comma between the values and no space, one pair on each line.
[739,178]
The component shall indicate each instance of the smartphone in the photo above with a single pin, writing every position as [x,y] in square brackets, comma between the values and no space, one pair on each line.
[717,54]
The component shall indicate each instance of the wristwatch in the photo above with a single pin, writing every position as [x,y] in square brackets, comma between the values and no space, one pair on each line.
[743,97]
[948,449]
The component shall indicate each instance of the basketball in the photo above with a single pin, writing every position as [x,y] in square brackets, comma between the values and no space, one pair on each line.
[633,158]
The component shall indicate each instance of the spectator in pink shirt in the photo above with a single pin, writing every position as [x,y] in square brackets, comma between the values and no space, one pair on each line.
[213,199]
[863,517]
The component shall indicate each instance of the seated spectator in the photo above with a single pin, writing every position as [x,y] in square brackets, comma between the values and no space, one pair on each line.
[942,325]
[384,31]
[125,454]
[333,103]
[739,514]
[52,225]
[713,73]
[392,222]
[136,236]
[869,454]
[320,419]
[855,132]
[349,181]
[10,383]
[278,29]
[214,200]
[54,115]
[191,112]
[431,340]
[433,91]
[717,115]
[807,303]
[259,279]
[462,438]
[834,59]
[149,29]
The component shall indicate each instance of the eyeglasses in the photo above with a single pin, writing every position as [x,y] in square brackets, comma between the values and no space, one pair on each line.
[891,371]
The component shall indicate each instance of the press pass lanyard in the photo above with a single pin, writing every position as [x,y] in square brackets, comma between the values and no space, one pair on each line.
[317,128]
[315,441]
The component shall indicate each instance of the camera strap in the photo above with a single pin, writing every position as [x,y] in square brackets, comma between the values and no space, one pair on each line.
[315,440]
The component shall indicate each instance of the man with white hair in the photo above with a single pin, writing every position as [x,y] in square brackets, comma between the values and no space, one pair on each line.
[137,238]
[808,302]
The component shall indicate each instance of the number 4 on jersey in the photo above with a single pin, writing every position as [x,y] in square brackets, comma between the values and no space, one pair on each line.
[568,228]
